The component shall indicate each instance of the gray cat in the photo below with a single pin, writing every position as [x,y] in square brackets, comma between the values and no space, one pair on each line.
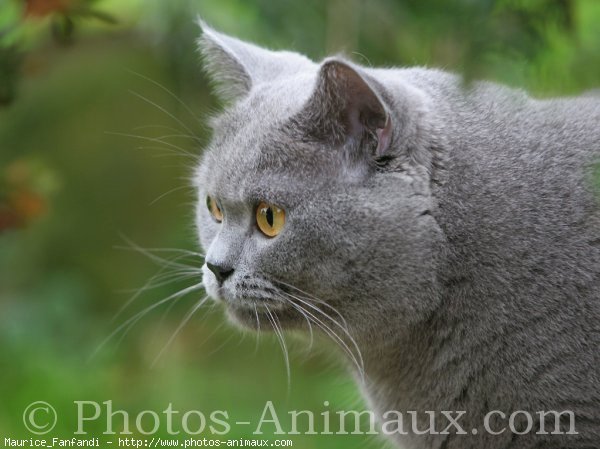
[446,236]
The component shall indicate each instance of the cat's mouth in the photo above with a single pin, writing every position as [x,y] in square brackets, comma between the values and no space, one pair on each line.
[262,315]
[255,303]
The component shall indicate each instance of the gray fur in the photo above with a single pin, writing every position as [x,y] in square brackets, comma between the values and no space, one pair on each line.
[465,261]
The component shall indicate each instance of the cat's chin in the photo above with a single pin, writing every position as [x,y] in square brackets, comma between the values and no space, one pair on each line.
[262,319]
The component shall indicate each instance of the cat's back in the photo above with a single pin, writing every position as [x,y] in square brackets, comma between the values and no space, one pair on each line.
[519,192]
[521,187]
[520,209]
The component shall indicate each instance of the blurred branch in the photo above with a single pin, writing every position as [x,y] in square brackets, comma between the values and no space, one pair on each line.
[10,65]
[64,16]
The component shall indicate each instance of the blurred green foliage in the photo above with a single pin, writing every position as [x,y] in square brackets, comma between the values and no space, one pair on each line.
[95,117]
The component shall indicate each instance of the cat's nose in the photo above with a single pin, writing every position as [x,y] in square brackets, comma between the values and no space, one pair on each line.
[221,272]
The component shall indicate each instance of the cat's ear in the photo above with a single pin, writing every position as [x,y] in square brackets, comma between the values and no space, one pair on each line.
[346,105]
[236,66]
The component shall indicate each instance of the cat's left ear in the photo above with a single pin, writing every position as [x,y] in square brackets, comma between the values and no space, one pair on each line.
[236,66]
[346,105]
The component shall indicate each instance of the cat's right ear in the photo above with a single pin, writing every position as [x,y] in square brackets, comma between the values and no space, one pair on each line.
[235,66]
[347,105]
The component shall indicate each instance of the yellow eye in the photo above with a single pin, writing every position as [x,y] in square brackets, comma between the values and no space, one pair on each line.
[270,219]
[214,209]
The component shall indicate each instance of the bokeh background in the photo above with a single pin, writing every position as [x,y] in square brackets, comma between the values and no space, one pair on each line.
[101,104]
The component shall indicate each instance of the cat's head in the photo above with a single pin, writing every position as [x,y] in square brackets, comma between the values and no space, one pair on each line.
[314,194]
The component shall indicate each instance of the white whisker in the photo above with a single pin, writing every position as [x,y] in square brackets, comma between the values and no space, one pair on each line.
[182,136]
[356,358]
[315,299]
[171,250]
[160,108]
[181,150]
[135,318]
[166,152]
[185,320]
[156,83]
[284,349]
[162,278]
[308,322]
[221,346]
[170,128]
[257,329]
[150,285]
[161,261]
[176,189]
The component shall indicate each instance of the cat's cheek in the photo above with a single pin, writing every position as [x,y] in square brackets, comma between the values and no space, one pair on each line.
[206,230]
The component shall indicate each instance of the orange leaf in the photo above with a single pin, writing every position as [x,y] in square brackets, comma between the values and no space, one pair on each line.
[8,219]
[41,8]
[27,205]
